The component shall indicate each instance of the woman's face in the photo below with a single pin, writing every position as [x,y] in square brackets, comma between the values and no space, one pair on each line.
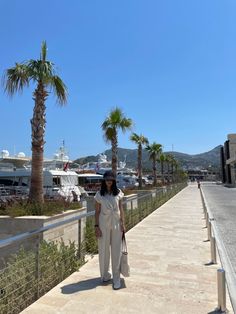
[109,183]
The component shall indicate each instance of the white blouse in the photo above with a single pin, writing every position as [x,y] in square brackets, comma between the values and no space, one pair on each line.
[109,203]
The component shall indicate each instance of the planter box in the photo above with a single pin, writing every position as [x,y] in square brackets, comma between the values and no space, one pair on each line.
[12,226]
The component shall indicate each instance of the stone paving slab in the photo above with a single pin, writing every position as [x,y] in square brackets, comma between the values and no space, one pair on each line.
[167,254]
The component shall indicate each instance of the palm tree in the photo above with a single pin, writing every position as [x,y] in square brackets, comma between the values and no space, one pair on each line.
[114,121]
[154,151]
[168,162]
[172,161]
[162,159]
[140,140]
[42,73]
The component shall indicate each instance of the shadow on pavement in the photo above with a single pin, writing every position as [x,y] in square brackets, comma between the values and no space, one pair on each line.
[87,284]
[216,311]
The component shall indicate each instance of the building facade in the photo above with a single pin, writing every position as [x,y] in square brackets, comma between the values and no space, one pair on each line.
[228,161]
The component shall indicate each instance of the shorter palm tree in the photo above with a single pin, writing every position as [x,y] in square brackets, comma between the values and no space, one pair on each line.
[140,140]
[162,159]
[173,163]
[114,121]
[154,151]
[168,163]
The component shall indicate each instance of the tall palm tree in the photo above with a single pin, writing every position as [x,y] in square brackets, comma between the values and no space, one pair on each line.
[140,140]
[162,159]
[42,73]
[154,151]
[114,121]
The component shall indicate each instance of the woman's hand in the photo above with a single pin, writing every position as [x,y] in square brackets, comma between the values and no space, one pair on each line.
[98,232]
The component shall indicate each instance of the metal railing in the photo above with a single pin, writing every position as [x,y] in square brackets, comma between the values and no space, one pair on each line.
[226,274]
[31,266]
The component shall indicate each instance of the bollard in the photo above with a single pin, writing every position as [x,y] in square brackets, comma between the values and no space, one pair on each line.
[209,231]
[213,250]
[221,290]
[207,219]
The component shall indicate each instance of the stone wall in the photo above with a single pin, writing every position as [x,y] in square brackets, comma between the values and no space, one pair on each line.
[17,225]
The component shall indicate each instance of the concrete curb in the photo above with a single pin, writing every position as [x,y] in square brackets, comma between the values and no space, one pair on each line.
[224,258]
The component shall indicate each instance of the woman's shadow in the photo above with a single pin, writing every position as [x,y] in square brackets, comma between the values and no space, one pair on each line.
[87,284]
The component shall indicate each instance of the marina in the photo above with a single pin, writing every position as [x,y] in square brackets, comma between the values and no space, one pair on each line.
[118,157]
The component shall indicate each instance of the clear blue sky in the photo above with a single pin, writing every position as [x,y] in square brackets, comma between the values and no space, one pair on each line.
[170,64]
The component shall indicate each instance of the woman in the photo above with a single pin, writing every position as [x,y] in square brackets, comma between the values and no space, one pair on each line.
[109,227]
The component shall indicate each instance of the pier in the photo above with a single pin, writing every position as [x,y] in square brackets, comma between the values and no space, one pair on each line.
[170,271]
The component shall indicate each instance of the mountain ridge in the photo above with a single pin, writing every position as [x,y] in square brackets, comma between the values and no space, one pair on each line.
[204,160]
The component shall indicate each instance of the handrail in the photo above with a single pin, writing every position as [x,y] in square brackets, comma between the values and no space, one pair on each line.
[26,235]
[225,260]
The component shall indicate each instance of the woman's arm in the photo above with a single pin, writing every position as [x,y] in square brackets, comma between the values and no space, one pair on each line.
[122,216]
[98,231]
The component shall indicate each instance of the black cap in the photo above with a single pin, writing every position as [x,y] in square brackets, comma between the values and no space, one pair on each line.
[109,175]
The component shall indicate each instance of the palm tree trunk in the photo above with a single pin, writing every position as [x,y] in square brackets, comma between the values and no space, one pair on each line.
[140,165]
[154,172]
[168,171]
[38,130]
[114,148]
[172,171]
[162,171]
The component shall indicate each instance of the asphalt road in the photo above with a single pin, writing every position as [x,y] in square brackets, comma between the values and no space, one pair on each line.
[222,203]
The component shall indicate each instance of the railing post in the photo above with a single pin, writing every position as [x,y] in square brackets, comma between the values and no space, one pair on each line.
[79,238]
[221,290]
[213,250]
[131,209]
[207,219]
[209,231]
[37,266]
[146,205]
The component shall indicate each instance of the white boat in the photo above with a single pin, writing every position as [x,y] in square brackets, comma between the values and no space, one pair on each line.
[58,181]
[126,178]
[91,182]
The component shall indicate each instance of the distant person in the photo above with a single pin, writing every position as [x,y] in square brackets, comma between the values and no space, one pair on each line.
[109,227]
[198,184]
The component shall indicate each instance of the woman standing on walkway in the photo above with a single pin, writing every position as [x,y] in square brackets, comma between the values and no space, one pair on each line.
[109,226]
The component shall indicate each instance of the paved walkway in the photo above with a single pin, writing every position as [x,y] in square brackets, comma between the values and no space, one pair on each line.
[167,254]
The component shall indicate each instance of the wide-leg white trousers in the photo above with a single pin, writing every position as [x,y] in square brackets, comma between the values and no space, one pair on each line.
[110,244]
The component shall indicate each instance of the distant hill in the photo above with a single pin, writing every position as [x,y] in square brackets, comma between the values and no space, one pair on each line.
[204,160]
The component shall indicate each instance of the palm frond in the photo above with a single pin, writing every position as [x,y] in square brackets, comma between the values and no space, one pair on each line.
[16,78]
[109,134]
[59,89]
[154,150]
[134,137]
[41,70]
[43,54]
[106,123]
[126,124]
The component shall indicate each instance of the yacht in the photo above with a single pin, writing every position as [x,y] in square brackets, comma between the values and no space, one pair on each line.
[58,181]
[126,177]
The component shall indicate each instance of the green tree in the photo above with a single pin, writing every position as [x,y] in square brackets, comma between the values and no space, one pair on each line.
[154,151]
[168,163]
[42,73]
[115,121]
[140,140]
[174,165]
[162,159]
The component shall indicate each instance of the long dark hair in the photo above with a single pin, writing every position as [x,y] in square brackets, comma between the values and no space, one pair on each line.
[114,189]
